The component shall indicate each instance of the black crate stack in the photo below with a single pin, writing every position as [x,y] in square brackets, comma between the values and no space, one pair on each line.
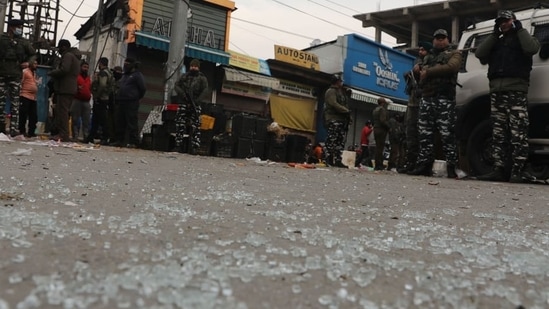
[249,136]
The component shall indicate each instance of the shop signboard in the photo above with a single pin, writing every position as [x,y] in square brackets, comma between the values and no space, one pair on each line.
[246,90]
[296,57]
[376,68]
[249,63]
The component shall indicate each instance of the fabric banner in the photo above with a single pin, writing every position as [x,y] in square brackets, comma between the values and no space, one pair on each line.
[293,113]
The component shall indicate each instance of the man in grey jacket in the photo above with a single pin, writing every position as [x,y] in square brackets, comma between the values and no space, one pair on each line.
[64,87]
[508,53]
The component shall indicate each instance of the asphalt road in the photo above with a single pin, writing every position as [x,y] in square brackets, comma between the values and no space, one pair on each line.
[126,228]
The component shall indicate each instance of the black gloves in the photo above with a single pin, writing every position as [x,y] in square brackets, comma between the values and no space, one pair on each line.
[497,31]
[517,25]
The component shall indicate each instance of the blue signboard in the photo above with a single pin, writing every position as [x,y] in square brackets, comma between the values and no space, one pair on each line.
[375,67]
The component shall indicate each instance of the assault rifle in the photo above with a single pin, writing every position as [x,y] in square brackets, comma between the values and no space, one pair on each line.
[190,99]
[411,83]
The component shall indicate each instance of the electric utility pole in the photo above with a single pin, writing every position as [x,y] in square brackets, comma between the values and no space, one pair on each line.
[3,8]
[96,32]
[176,53]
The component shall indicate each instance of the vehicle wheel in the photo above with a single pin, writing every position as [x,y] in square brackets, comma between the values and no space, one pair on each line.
[540,171]
[479,149]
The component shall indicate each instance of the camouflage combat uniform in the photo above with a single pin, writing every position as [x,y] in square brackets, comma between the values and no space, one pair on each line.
[509,57]
[187,119]
[13,52]
[411,121]
[336,119]
[437,110]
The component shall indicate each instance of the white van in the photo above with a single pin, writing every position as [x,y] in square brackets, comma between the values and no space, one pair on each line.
[473,127]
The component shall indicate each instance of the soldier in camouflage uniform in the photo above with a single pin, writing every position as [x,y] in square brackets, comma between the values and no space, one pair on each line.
[508,53]
[437,110]
[412,112]
[381,129]
[337,117]
[189,88]
[14,50]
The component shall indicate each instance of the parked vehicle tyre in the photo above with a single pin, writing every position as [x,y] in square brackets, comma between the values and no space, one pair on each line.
[479,149]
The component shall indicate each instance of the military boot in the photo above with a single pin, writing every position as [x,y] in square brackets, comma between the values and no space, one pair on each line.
[451,170]
[422,169]
[498,174]
[522,177]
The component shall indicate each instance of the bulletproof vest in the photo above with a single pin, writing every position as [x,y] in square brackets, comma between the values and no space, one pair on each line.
[12,54]
[508,60]
[444,85]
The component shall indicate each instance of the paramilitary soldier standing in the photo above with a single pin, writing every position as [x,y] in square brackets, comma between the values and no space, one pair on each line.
[437,109]
[337,117]
[189,88]
[508,53]
[412,112]
[14,50]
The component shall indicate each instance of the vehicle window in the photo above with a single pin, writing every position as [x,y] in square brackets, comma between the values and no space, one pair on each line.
[541,32]
[469,48]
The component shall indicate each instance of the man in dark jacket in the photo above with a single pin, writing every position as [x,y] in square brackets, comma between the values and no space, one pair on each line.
[102,89]
[64,87]
[189,88]
[437,110]
[131,89]
[381,128]
[508,53]
[337,117]
[14,51]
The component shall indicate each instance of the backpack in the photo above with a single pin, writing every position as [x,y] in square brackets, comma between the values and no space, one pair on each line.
[111,87]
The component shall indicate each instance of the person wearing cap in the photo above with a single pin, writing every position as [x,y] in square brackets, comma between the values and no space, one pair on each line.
[411,149]
[508,53]
[189,88]
[103,91]
[364,144]
[14,51]
[437,109]
[337,117]
[131,89]
[381,129]
[65,86]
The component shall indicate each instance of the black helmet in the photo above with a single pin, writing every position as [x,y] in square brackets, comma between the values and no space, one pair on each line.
[335,78]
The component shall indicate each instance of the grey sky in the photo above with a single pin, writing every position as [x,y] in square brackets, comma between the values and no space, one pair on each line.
[307,19]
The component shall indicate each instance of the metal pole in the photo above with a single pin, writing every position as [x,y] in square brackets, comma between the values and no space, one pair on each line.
[177,46]
[3,8]
[96,33]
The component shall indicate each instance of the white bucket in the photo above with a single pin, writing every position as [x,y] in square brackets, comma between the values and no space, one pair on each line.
[439,168]
[348,158]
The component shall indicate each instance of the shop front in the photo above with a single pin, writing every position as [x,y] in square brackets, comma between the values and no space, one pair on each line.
[207,40]
[294,104]
[370,70]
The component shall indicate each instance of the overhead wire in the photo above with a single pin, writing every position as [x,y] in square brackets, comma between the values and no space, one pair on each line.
[311,15]
[273,28]
[300,35]
[329,8]
[343,6]
[72,16]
